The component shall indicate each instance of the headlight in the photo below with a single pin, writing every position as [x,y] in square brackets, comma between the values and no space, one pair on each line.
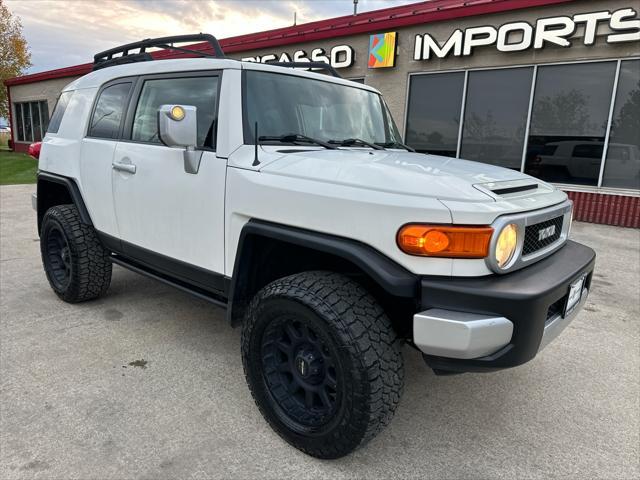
[445,240]
[506,245]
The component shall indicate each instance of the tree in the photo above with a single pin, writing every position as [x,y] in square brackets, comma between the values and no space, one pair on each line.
[564,113]
[14,53]
[626,124]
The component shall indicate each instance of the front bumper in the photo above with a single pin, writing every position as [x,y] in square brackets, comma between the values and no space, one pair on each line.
[506,319]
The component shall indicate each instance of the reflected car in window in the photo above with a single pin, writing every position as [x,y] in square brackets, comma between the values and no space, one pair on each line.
[579,161]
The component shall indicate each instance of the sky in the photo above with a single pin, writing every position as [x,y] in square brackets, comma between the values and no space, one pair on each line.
[62,33]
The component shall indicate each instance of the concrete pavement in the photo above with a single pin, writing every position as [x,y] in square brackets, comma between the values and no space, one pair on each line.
[77,399]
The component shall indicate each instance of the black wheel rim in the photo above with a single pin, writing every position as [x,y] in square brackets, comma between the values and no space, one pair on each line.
[301,373]
[58,258]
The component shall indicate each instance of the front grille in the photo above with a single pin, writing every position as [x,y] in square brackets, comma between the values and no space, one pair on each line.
[532,234]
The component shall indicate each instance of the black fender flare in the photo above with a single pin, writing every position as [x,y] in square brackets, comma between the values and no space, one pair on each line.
[389,275]
[74,193]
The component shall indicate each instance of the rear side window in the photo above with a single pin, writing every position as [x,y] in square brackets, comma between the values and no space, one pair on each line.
[588,150]
[549,149]
[109,111]
[200,92]
[58,112]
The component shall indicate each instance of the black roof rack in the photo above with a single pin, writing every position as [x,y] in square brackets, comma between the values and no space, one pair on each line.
[107,59]
[316,65]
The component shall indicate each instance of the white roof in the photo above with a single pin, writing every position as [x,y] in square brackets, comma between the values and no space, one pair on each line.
[104,75]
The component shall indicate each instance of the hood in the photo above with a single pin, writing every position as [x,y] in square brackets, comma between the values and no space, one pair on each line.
[398,172]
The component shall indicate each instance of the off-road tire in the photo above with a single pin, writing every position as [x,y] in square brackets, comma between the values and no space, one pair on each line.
[346,316]
[87,267]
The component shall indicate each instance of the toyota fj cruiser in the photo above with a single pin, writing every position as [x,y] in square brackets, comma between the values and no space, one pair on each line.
[288,197]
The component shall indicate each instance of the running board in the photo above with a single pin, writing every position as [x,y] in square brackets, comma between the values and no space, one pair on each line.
[185,287]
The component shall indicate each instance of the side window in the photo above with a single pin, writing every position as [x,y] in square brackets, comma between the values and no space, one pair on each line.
[588,151]
[58,112]
[200,92]
[109,111]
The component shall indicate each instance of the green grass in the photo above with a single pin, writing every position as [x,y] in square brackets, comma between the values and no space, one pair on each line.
[17,168]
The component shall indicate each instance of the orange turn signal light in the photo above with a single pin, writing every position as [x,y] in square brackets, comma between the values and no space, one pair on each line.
[445,241]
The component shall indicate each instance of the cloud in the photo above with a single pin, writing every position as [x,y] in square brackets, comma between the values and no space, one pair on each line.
[61,33]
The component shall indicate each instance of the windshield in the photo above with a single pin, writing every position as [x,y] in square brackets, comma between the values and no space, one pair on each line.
[286,104]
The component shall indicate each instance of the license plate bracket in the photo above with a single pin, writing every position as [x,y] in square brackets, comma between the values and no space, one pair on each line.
[575,294]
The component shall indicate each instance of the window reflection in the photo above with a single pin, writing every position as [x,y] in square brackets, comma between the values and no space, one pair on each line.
[622,167]
[433,119]
[569,120]
[495,116]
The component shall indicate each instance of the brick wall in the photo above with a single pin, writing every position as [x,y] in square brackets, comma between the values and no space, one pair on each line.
[620,210]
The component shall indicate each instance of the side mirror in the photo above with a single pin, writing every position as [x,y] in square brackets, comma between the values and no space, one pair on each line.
[178,127]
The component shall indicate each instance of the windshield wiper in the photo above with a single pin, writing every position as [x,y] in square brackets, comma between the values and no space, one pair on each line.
[396,145]
[296,137]
[356,141]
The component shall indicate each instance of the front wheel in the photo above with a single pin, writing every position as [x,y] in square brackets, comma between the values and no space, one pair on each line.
[322,362]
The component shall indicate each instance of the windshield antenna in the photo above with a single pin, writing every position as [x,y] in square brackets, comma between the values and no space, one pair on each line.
[256,162]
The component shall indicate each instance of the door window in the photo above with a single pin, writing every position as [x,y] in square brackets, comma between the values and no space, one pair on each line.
[200,92]
[108,114]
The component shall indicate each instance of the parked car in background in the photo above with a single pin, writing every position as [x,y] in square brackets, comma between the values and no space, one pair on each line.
[5,136]
[34,149]
[580,160]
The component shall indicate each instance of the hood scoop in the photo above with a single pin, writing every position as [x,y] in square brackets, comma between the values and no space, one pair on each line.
[509,188]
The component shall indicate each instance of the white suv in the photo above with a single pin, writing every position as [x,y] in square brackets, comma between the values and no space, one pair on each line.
[287,197]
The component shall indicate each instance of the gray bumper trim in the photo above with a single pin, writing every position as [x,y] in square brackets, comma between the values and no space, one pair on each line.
[451,334]
[34,201]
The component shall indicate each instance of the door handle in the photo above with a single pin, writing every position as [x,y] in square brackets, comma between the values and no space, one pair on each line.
[124,166]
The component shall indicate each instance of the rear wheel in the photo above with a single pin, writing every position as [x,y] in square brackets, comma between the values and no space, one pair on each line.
[322,362]
[77,265]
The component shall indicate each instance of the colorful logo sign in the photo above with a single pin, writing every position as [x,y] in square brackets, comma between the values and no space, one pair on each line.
[382,50]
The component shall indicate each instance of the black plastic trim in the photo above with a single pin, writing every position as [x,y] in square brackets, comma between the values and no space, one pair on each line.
[110,242]
[524,297]
[106,58]
[73,189]
[390,276]
[185,287]
[508,190]
[308,65]
[207,280]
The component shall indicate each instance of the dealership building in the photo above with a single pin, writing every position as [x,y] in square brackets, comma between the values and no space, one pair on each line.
[548,87]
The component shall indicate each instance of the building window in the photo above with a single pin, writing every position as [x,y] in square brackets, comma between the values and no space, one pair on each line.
[566,109]
[622,166]
[433,117]
[32,119]
[495,118]
[570,113]
[19,122]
